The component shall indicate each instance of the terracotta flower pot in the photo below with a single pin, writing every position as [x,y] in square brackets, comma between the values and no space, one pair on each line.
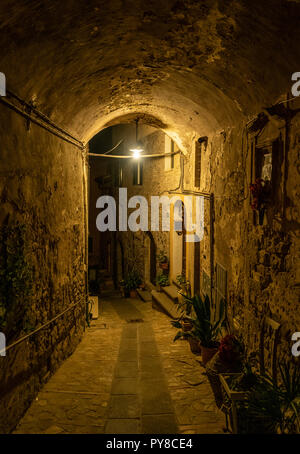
[195,346]
[164,265]
[186,325]
[208,353]
[133,293]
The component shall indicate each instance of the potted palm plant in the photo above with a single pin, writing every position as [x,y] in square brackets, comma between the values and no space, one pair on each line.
[204,328]
[259,405]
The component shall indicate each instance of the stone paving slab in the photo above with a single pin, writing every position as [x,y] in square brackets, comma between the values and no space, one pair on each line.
[126,369]
[122,426]
[150,367]
[155,397]
[123,406]
[148,348]
[124,386]
[159,424]
[128,355]
[128,344]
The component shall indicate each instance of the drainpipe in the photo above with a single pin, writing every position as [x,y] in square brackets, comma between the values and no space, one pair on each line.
[85,171]
[212,243]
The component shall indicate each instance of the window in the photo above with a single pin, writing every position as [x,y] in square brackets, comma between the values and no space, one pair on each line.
[138,173]
[197,164]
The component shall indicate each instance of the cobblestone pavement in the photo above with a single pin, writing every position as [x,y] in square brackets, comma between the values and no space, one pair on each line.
[127,376]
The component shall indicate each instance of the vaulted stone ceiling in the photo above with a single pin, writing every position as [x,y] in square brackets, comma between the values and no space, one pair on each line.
[193,65]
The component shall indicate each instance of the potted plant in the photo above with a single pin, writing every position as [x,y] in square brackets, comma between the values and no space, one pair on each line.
[185,332]
[204,329]
[184,285]
[184,306]
[162,280]
[131,282]
[228,359]
[258,405]
[163,260]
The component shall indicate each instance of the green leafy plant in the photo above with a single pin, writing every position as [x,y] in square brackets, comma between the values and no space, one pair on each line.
[162,280]
[270,407]
[162,257]
[184,284]
[181,279]
[16,280]
[132,280]
[204,328]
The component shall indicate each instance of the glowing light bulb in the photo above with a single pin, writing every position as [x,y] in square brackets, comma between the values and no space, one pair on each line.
[136,152]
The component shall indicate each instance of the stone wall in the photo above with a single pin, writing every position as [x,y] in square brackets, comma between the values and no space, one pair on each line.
[41,187]
[261,260]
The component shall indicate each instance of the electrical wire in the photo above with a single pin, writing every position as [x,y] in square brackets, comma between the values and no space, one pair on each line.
[160,155]
[116,146]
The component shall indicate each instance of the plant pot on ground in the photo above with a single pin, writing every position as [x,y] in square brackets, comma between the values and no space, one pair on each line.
[184,285]
[133,294]
[195,346]
[208,352]
[163,260]
[132,281]
[204,330]
[228,359]
[259,405]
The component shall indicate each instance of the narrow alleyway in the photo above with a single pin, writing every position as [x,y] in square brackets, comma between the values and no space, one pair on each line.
[126,376]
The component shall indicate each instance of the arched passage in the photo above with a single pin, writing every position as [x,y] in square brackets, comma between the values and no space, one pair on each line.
[195,69]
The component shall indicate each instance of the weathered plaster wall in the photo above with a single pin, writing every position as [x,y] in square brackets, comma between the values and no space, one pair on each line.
[41,187]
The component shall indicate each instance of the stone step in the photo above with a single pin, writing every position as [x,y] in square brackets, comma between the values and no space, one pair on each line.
[172,292]
[165,303]
[144,295]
